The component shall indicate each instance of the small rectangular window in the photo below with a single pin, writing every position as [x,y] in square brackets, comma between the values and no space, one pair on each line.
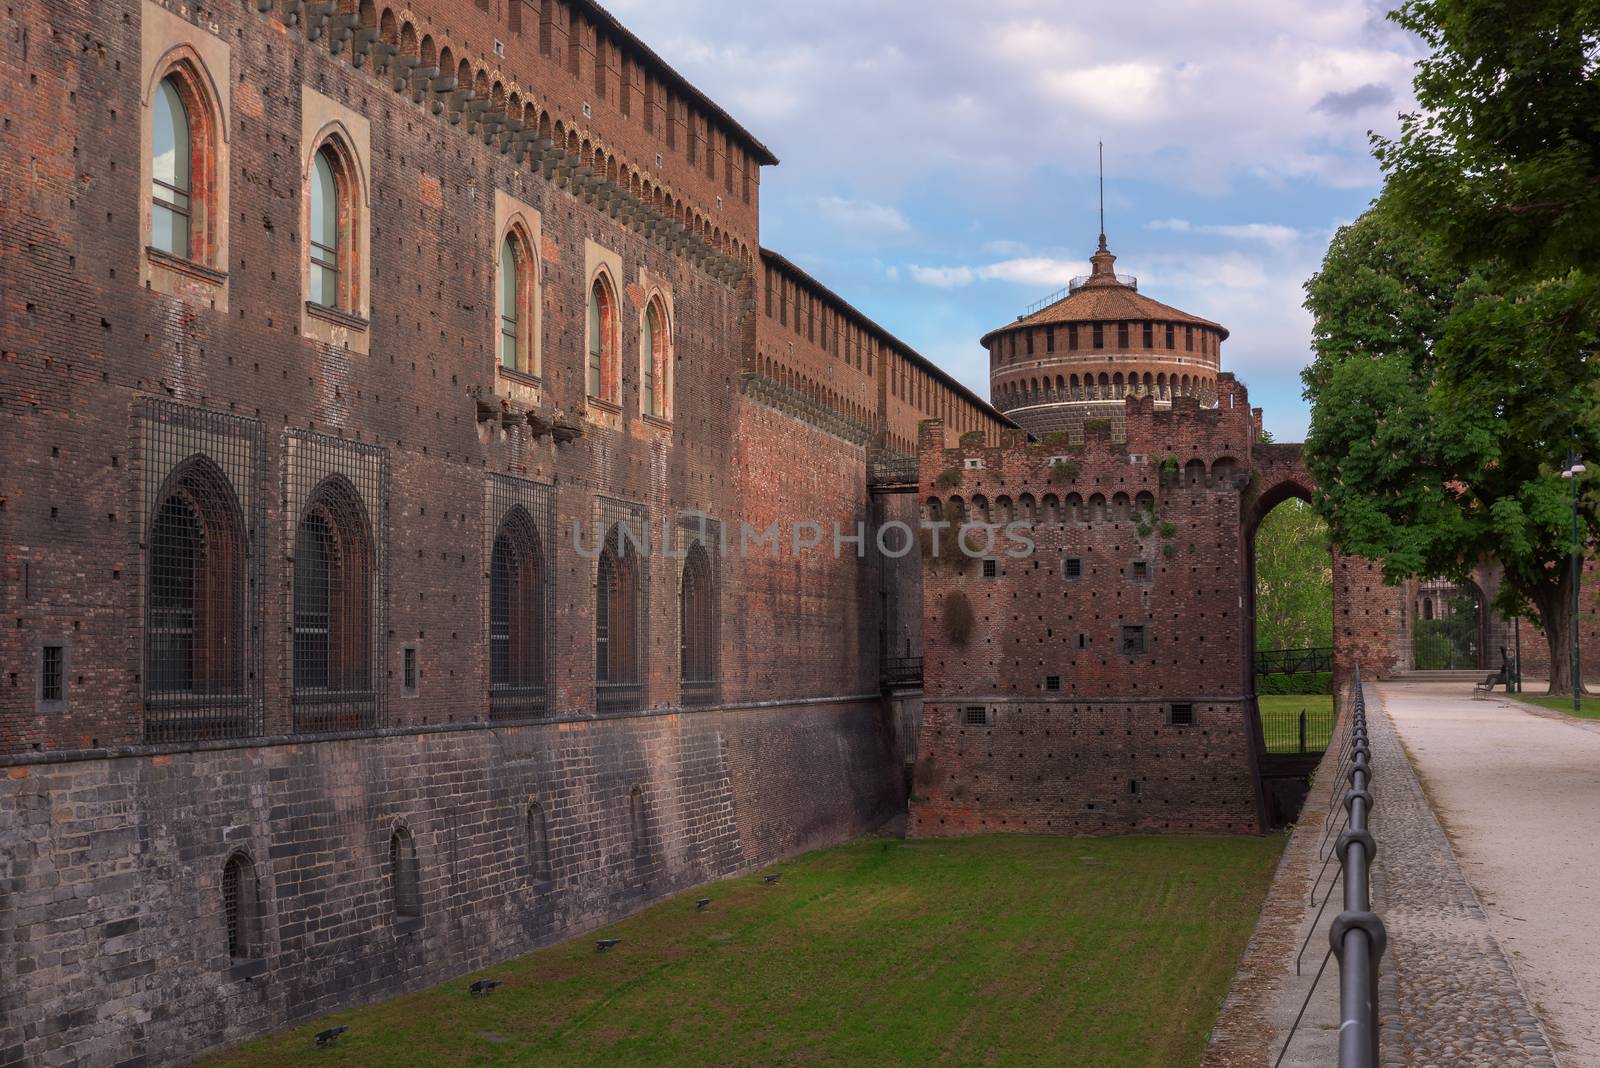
[1099,335]
[1149,336]
[991,569]
[408,670]
[1141,571]
[1182,715]
[1132,641]
[1052,682]
[1083,640]
[1170,343]
[1050,339]
[1072,567]
[1072,336]
[976,716]
[1122,335]
[1188,339]
[52,673]
[1030,342]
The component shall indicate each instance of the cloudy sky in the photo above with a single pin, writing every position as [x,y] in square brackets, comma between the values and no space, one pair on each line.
[939,157]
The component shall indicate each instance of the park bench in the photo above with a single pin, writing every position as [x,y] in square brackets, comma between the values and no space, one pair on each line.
[1498,678]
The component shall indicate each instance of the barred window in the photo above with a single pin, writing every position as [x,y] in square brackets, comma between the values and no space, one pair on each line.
[194,605]
[517,615]
[241,908]
[333,588]
[697,628]
[404,876]
[616,609]
[1132,641]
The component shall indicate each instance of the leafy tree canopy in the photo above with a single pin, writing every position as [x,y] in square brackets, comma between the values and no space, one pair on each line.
[1458,320]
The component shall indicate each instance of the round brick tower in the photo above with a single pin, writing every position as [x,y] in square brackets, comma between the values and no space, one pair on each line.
[1078,354]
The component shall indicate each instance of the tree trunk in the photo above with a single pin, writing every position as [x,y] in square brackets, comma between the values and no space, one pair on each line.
[1554,604]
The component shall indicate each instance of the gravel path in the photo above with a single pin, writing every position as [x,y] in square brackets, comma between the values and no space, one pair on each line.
[1519,793]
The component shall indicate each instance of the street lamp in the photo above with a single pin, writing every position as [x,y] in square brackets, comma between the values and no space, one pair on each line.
[1574,471]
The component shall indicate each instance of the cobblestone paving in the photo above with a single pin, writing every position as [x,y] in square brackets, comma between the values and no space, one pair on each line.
[1449,995]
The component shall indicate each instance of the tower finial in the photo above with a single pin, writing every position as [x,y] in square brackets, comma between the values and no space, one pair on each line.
[1102,196]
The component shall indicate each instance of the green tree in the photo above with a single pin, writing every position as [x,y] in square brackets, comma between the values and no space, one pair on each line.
[1294,579]
[1458,321]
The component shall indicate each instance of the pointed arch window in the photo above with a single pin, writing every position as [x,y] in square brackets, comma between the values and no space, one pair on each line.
[196,684]
[333,594]
[405,877]
[697,628]
[517,618]
[618,623]
[171,171]
[518,312]
[241,908]
[603,382]
[325,229]
[655,361]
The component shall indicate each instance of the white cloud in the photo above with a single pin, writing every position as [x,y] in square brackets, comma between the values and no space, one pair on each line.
[1267,233]
[862,215]
[1037,271]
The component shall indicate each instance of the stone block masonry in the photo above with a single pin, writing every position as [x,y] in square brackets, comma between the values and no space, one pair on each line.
[113,911]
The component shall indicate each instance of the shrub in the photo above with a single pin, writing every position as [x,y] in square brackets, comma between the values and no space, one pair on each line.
[1169,550]
[1168,529]
[1095,426]
[973,438]
[957,617]
[948,479]
[1055,438]
[1063,471]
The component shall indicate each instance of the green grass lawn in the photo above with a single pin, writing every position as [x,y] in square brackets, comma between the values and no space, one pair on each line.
[1280,721]
[1002,950]
[1589,710]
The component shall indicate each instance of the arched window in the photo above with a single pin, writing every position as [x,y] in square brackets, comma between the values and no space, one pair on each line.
[638,825]
[538,843]
[517,605]
[519,314]
[697,628]
[618,620]
[603,381]
[405,878]
[655,362]
[326,228]
[195,680]
[241,908]
[333,592]
[171,171]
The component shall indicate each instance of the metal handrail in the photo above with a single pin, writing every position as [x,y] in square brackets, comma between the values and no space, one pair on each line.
[1357,936]
[1291,661]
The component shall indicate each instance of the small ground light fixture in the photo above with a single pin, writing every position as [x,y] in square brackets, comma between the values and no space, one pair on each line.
[330,1036]
[703,904]
[484,986]
[774,877]
[605,943]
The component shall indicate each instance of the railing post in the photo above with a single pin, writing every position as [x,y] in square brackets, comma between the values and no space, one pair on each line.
[1302,730]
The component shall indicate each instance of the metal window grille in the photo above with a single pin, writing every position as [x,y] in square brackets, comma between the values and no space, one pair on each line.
[202,473]
[52,673]
[1072,567]
[1132,640]
[408,674]
[976,716]
[699,639]
[407,880]
[241,907]
[338,504]
[621,596]
[991,569]
[1052,682]
[521,578]
[1182,715]
[1141,570]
